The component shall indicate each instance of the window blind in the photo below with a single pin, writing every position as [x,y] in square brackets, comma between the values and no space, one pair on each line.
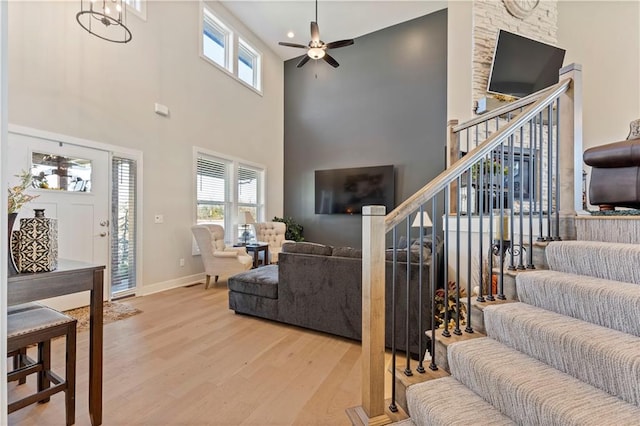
[211,181]
[247,185]
[211,189]
[123,225]
[213,30]
[245,55]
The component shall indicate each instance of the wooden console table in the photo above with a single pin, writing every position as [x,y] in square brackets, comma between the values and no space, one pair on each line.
[70,277]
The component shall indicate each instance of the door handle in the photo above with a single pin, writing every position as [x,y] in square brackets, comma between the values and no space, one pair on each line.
[103,234]
[104,223]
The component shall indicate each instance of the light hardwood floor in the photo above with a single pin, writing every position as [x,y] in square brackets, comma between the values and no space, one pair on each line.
[189,360]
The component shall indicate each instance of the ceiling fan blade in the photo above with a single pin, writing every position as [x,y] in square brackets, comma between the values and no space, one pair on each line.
[340,43]
[284,43]
[315,32]
[329,59]
[303,61]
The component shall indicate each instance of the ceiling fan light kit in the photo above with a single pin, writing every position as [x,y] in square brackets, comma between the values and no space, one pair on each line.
[316,53]
[317,49]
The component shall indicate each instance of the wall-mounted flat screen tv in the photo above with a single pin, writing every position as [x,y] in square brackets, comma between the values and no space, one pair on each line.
[522,66]
[345,191]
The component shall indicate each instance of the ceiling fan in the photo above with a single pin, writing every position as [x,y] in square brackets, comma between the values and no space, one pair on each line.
[317,49]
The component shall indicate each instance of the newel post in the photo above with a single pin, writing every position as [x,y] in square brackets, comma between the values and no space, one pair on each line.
[373,276]
[570,151]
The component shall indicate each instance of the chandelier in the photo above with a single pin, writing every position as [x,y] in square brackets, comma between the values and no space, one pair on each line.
[104,19]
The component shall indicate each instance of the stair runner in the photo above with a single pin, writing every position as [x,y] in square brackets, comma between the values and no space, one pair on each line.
[567,354]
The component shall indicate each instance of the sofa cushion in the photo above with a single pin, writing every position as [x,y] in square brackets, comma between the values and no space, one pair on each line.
[307,248]
[261,282]
[347,252]
[414,257]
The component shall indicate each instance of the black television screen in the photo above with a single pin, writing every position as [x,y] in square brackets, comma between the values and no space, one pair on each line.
[345,191]
[522,66]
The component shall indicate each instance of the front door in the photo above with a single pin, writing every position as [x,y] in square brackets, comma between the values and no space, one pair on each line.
[73,187]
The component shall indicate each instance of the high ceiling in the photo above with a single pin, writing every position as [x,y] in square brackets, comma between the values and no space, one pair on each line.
[338,20]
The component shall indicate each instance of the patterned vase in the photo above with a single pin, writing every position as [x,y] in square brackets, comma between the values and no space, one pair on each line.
[12,270]
[38,244]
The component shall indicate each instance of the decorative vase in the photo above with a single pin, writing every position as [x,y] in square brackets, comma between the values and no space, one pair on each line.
[12,270]
[38,243]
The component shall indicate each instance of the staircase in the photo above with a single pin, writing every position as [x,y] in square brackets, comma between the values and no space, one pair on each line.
[567,353]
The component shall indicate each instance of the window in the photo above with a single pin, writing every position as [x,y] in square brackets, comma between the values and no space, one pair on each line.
[123,226]
[248,190]
[248,64]
[224,47]
[211,190]
[216,40]
[60,173]
[225,189]
[138,7]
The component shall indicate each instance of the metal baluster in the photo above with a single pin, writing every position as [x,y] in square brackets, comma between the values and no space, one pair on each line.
[532,145]
[420,368]
[447,204]
[407,369]
[481,192]
[549,170]
[432,273]
[511,197]
[456,329]
[556,236]
[468,328]
[521,199]
[490,297]
[540,178]
[501,243]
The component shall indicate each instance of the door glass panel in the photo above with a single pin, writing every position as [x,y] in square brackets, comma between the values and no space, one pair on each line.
[61,173]
[123,225]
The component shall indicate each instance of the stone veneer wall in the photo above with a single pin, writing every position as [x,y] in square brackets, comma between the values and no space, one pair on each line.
[491,15]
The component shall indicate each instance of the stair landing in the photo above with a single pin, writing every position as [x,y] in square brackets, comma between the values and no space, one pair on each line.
[608,229]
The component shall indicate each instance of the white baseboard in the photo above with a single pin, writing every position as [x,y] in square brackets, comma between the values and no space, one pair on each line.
[146,290]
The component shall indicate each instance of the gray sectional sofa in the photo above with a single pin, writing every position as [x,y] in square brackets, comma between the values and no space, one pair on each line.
[320,288]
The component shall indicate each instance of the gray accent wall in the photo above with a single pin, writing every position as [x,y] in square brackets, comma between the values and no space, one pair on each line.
[385,104]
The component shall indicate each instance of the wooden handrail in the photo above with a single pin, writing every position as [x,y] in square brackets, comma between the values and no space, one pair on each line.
[432,188]
[510,107]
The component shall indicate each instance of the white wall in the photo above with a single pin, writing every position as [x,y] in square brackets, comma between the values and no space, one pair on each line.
[459,59]
[66,81]
[604,36]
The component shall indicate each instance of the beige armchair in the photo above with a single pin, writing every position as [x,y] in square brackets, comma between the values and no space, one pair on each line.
[272,233]
[218,259]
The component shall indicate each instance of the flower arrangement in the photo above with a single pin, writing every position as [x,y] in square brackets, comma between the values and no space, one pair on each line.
[17,196]
[442,306]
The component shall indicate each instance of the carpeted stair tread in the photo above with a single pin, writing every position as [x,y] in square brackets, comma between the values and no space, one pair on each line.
[611,261]
[611,304]
[601,357]
[531,392]
[446,402]
[405,422]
